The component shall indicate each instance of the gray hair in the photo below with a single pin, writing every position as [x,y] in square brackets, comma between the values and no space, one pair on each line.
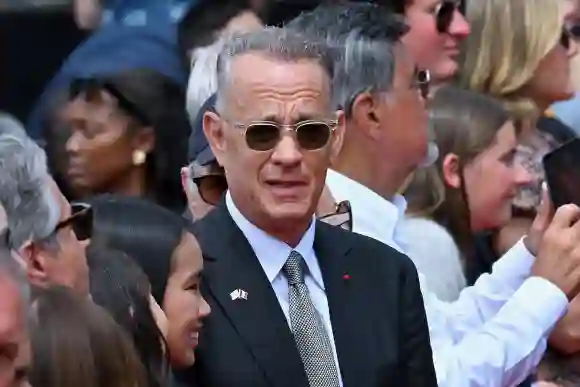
[32,210]
[363,37]
[203,78]
[278,43]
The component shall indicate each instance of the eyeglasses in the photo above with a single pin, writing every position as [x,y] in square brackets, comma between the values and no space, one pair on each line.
[210,181]
[311,135]
[423,82]
[444,15]
[342,217]
[81,221]
[566,38]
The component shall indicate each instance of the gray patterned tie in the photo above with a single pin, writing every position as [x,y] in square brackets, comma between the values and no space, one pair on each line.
[309,333]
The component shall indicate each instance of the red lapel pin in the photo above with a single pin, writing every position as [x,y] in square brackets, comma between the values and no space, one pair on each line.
[346,277]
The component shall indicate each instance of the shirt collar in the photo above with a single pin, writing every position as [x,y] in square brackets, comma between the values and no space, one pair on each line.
[271,252]
[373,215]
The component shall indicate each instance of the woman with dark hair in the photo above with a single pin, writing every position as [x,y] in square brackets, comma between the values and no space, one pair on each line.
[120,287]
[162,244]
[128,135]
[76,343]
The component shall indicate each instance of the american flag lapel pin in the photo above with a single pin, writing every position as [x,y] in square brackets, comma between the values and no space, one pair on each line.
[239,294]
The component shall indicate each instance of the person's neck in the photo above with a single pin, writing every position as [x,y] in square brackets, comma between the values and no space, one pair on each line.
[289,231]
[384,181]
[132,184]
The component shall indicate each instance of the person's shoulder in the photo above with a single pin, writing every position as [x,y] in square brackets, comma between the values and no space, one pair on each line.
[373,251]
[425,231]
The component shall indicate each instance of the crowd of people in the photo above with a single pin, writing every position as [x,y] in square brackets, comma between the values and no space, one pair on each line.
[240,194]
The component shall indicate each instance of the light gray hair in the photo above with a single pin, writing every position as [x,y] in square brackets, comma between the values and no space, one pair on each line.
[31,208]
[363,37]
[279,43]
[203,78]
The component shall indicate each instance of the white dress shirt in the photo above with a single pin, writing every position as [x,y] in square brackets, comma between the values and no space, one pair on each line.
[272,255]
[495,334]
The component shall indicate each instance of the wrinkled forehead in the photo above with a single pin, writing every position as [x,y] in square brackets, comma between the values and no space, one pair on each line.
[274,89]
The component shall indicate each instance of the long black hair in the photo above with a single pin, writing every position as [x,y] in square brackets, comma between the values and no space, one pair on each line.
[118,285]
[148,233]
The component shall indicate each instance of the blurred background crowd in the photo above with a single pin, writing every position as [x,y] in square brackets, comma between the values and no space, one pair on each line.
[118,163]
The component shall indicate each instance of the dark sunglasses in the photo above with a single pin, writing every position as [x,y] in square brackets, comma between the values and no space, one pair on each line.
[90,87]
[80,220]
[566,38]
[444,15]
[311,135]
[342,217]
[210,181]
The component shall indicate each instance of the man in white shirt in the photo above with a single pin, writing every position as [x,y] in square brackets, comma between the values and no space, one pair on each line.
[495,334]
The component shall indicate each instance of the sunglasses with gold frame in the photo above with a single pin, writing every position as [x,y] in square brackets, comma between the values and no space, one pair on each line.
[341,217]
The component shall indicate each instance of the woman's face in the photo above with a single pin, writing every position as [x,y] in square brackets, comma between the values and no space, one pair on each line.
[183,303]
[492,180]
[100,148]
[433,50]
[552,80]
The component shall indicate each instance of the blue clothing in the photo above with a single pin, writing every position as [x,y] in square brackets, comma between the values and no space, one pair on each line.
[569,112]
[142,12]
[113,49]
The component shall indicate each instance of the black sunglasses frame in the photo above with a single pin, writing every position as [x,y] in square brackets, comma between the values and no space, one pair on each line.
[336,218]
[81,221]
[202,173]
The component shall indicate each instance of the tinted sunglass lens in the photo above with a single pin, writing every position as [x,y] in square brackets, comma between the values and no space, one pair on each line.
[565,39]
[262,137]
[313,135]
[212,188]
[445,16]
[82,224]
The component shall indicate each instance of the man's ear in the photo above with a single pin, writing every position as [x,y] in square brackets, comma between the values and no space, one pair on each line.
[364,114]
[213,128]
[451,172]
[35,261]
[337,138]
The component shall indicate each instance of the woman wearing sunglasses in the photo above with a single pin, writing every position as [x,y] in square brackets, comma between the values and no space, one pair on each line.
[520,52]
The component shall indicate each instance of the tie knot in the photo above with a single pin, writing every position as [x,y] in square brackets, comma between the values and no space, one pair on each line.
[294,268]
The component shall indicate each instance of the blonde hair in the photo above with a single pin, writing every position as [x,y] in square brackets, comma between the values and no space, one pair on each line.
[508,40]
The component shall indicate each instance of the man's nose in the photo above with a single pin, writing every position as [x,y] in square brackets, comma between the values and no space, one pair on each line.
[287,151]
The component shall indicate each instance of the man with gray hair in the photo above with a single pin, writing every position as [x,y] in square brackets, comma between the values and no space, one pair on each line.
[296,302]
[42,227]
[492,335]
[14,310]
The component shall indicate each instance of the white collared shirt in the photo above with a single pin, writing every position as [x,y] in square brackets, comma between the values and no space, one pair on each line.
[272,255]
[495,334]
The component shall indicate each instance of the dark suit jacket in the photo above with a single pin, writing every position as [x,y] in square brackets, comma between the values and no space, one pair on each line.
[376,310]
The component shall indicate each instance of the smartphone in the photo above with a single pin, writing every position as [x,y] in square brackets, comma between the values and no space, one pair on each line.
[562,168]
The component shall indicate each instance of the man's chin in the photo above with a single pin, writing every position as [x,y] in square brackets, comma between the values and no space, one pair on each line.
[289,210]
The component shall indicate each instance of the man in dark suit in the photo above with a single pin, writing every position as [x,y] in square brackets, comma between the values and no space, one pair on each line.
[295,302]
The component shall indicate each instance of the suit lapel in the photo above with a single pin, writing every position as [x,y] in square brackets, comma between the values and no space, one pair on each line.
[344,281]
[230,264]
